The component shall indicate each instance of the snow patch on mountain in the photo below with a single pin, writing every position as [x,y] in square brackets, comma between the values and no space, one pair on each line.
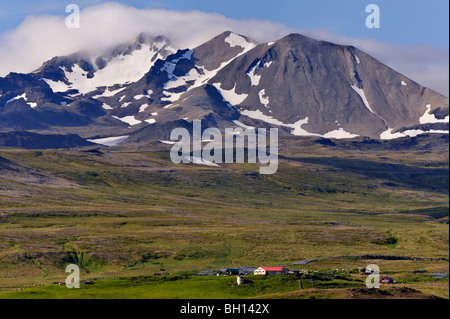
[129,120]
[230,95]
[388,135]
[109,141]
[297,129]
[263,98]
[258,115]
[268,64]
[109,93]
[429,118]
[138,97]
[176,82]
[171,97]
[143,108]
[235,40]
[297,126]
[363,97]
[224,100]
[340,134]
[56,86]
[23,96]
[122,69]
[254,78]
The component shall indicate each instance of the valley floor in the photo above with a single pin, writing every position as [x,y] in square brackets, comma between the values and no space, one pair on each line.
[125,213]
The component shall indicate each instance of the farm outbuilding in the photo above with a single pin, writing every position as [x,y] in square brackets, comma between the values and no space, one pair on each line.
[232,271]
[268,271]
[387,280]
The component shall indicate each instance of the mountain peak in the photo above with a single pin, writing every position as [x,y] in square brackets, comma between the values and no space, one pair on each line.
[228,33]
[297,38]
[222,48]
[143,38]
[304,86]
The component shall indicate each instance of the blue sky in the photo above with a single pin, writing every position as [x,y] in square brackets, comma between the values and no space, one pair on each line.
[403,22]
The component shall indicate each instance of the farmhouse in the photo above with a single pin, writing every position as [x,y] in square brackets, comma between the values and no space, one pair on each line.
[268,271]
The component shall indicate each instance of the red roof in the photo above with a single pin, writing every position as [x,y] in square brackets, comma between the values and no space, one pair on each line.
[273,268]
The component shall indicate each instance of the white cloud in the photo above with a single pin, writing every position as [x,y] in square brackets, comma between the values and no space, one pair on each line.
[39,38]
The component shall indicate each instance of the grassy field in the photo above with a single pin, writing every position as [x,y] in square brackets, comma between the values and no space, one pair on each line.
[314,286]
[182,287]
[130,212]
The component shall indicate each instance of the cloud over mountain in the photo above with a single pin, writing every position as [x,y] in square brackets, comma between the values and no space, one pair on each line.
[39,38]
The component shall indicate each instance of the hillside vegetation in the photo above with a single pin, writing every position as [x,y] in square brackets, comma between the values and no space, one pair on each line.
[129,212]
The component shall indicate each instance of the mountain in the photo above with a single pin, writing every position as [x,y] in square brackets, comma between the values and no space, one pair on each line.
[142,88]
[319,87]
[30,140]
[61,95]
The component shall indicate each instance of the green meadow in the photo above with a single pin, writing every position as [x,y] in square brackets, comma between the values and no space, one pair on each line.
[125,213]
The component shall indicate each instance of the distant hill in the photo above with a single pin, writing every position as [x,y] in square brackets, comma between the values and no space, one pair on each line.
[30,140]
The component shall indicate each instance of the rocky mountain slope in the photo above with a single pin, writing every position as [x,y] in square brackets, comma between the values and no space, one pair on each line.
[144,88]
